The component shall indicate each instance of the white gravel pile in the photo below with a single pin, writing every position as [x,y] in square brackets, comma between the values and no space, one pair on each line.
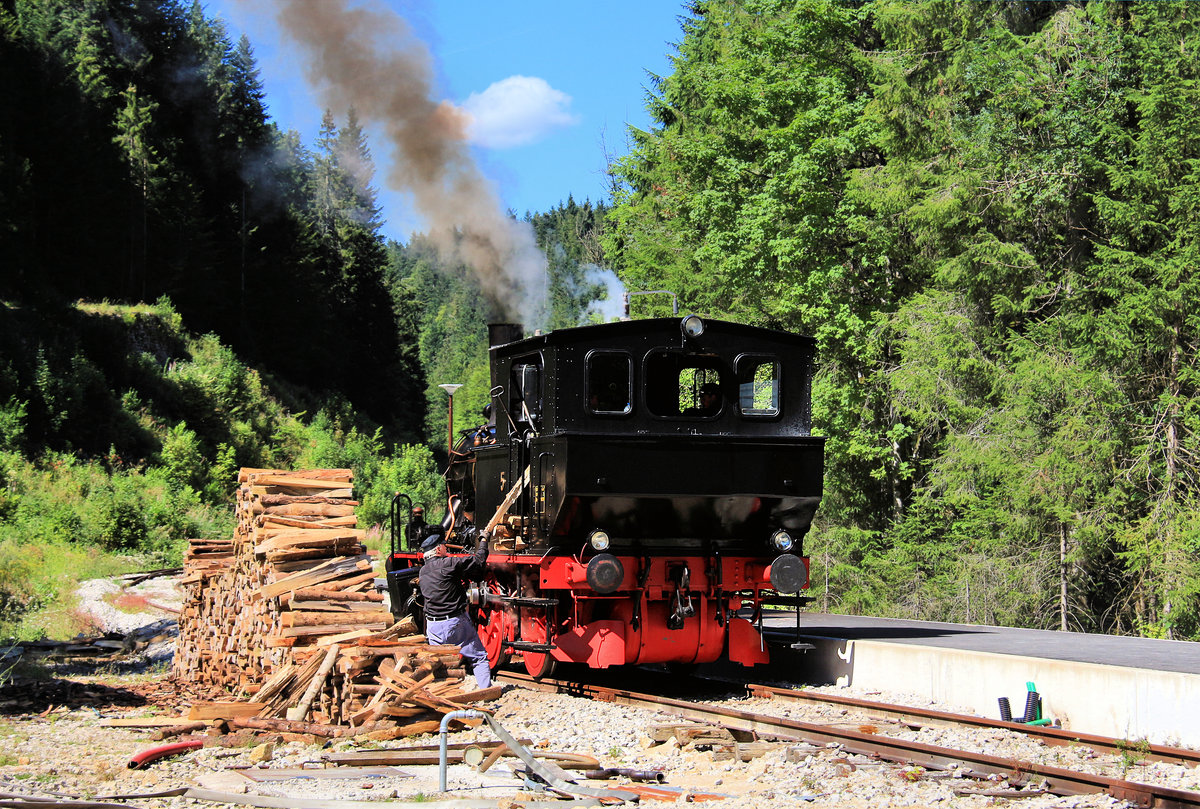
[143,612]
[124,610]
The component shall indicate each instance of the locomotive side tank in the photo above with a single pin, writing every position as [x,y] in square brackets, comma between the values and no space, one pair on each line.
[649,484]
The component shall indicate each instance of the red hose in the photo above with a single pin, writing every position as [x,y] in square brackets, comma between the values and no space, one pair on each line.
[155,753]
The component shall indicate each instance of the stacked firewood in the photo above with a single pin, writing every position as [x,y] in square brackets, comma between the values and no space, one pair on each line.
[295,571]
[285,614]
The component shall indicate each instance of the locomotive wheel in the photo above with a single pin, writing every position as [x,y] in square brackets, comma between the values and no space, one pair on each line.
[494,630]
[535,629]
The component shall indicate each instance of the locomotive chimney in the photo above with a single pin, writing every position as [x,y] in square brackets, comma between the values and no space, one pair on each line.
[501,333]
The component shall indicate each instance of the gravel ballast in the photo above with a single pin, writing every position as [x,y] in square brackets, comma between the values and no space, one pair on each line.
[50,750]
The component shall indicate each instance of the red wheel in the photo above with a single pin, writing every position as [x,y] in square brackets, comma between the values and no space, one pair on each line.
[535,629]
[493,631]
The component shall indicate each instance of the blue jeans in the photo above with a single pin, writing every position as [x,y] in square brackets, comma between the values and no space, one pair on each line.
[461,632]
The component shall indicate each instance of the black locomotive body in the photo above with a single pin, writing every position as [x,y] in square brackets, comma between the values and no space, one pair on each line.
[648,485]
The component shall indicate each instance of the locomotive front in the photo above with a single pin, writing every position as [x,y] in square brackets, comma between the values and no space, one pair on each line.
[648,484]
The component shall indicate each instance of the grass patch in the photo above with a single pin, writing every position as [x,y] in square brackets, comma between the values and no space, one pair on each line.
[38,582]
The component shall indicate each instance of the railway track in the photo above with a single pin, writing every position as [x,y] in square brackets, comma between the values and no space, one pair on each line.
[1056,780]
[918,717]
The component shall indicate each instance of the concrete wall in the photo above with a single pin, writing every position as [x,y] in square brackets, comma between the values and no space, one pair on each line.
[1117,701]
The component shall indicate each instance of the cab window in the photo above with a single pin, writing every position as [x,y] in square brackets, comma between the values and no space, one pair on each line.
[684,385]
[758,386]
[609,382]
[525,390]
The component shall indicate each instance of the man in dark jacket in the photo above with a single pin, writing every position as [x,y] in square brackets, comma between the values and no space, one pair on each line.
[443,584]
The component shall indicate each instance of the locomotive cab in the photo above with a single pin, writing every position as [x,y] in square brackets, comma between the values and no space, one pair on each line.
[648,486]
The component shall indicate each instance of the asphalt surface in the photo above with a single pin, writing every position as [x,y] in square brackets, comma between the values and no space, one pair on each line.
[1113,650]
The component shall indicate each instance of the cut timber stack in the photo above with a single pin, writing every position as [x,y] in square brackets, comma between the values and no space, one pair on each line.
[382,686]
[285,612]
[294,573]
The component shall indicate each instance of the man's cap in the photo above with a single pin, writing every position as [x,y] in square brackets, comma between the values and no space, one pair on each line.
[431,542]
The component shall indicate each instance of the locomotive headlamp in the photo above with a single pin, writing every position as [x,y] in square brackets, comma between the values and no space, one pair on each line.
[782,541]
[598,539]
[692,327]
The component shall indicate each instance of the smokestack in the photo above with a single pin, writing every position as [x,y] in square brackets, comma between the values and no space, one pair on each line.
[503,333]
[369,58]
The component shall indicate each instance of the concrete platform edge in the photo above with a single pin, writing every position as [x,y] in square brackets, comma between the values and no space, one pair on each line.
[1118,701]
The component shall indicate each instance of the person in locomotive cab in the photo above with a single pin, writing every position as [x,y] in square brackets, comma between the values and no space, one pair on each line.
[486,432]
[710,401]
[443,583]
[414,532]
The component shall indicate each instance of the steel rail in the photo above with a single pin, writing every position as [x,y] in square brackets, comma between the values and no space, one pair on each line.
[1054,779]
[1048,735]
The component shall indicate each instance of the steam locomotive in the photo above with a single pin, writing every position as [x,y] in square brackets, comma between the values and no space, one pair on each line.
[648,485]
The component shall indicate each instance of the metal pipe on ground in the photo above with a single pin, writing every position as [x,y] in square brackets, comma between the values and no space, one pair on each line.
[442,740]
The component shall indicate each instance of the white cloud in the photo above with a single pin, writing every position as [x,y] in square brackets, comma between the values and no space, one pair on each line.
[516,111]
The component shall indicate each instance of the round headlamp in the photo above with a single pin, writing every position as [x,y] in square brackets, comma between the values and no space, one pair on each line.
[692,327]
[782,541]
[598,539]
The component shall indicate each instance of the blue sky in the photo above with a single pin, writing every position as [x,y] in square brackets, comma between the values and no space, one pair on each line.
[551,86]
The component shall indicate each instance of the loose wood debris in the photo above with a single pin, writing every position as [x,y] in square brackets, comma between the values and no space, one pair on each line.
[727,744]
[284,613]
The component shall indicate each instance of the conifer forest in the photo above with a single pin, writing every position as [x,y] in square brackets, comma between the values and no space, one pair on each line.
[986,213]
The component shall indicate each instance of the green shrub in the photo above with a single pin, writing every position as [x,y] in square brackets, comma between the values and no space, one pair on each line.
[17,587]
[183,457]
[411,470]
[222,474]
[12,424]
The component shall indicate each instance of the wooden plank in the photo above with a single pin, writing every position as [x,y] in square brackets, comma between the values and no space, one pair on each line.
[301,504]
[311,555]
[290,619]
[329,593]
[307,578]
[297,482]
[286,537]
[314,631]
[480,695]
[353,635]
[307,521]
[267,490]
[222,710]
[298,713]
[342,607]
[513,493]
[146,722]
[247,472]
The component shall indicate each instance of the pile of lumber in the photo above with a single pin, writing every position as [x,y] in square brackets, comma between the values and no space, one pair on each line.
[295,571]
[286,615]
[382,686]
